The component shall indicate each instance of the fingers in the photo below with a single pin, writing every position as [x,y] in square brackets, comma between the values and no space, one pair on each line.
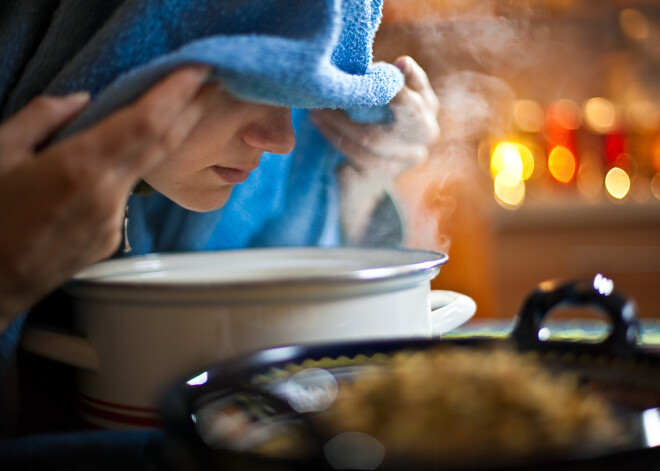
[338,123]
[368,147]
[78,187]
[88,177]
[416,106]
[418,81]
[32,125]
[139,135]
[360,155]
[132,136]
[415,119]
[189,117]
[365,145]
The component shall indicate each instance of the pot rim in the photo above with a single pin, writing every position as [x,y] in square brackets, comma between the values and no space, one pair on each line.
[281,272]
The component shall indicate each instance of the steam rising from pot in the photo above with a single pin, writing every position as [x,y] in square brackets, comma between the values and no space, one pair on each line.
[463,50]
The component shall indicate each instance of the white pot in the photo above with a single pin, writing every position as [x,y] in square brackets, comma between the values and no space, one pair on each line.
[143,322]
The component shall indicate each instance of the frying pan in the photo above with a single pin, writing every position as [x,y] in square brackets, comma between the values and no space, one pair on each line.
[255,389]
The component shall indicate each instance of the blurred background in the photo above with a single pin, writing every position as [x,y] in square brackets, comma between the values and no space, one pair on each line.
[549,160]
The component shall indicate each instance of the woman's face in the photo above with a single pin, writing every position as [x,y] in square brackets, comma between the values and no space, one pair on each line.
[221,151]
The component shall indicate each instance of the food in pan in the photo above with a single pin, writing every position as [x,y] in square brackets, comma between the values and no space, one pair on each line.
[449,405]
[459,405]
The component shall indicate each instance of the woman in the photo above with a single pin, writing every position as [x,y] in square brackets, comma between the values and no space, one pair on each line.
[192,158]
[213,142]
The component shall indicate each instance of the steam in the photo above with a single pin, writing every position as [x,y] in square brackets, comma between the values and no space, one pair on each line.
[473,104]
[465,56]
[470,56]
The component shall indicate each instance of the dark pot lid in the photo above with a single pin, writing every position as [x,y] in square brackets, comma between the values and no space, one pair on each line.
[258,389]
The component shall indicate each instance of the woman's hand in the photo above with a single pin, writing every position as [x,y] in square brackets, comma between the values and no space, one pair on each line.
[378,153]
[394,147]
[62,206]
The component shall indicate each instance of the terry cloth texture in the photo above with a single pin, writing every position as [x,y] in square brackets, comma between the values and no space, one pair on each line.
[300,53]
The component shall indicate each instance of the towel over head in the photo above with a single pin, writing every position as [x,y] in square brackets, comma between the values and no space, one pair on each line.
[299,53]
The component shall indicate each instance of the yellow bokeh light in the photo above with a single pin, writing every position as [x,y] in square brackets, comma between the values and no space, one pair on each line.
[529,115]
[600,114]
[634,24]
[562,164]
[617,183]
[509,190]
[527,161]
[506,157]
[514,158]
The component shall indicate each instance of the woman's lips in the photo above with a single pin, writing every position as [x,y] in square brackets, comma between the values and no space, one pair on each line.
[231,175]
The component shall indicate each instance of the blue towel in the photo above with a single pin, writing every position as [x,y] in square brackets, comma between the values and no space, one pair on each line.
[300,53]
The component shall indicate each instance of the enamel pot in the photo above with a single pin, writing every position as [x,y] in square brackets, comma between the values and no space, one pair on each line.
[142,322]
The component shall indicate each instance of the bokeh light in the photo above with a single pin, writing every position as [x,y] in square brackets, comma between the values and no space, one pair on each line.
[655,154]
[634,24]
[566,113]
[562,164]
[514,158]
[589,179]
[617,183]
[655,185]
[599,114]
[640,188]
[506,157]
[509,190]
[528,115]
[642,116]
[616,149]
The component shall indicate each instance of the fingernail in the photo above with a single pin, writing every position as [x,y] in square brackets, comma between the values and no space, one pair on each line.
[403,63]
[79,97]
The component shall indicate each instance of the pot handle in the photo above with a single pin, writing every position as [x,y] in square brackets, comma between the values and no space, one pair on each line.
[449,310]
[60,346]
[598,293]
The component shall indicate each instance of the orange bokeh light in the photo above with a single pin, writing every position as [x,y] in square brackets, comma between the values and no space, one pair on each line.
[655,154]
[562,164]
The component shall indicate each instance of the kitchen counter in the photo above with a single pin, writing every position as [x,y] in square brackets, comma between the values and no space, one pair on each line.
[569,330]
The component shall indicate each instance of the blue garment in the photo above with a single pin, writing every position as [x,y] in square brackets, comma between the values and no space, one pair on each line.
[289,199]
[9,400]
[85,450]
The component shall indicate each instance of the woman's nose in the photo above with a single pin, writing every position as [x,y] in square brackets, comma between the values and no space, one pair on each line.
[272,131]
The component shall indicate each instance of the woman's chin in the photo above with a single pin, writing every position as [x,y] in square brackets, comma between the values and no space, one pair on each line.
[205,203]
